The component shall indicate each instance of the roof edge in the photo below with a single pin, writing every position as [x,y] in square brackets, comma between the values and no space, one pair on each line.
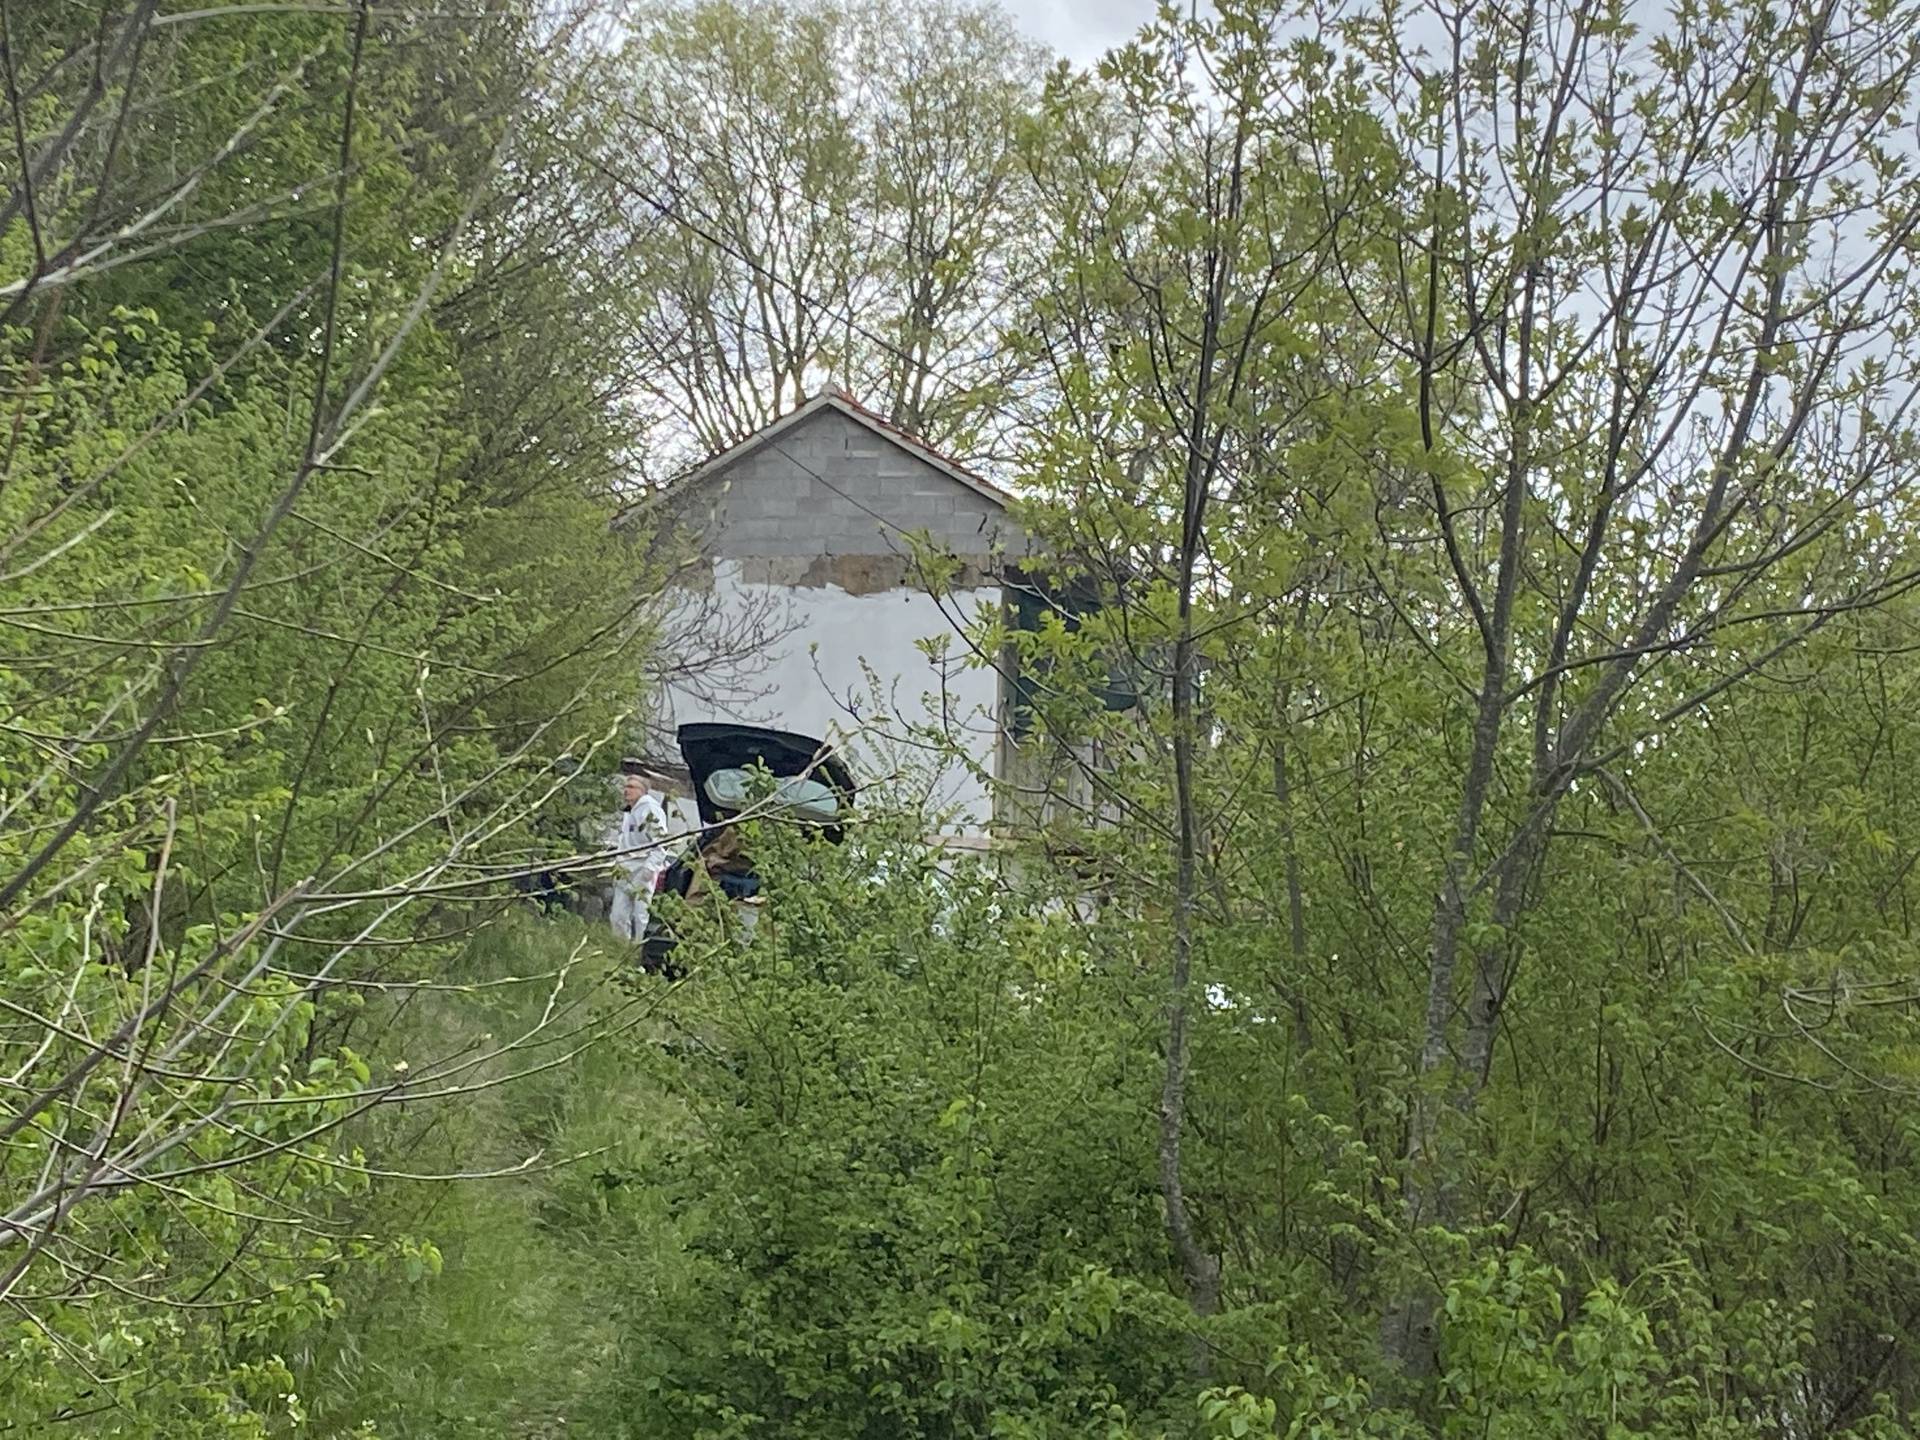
[831,398]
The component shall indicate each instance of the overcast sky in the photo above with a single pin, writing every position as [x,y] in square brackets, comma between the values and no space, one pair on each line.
[1081,30]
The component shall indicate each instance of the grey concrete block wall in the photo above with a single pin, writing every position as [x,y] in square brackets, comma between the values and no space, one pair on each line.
[831,486]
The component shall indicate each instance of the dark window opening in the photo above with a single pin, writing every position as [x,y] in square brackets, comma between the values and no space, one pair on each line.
[1029,603]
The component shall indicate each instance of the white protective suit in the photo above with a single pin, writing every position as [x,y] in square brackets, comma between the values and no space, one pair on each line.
[639,856]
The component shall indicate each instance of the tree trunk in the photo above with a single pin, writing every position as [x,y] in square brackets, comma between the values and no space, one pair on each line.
[1296,898]
[1199,1270]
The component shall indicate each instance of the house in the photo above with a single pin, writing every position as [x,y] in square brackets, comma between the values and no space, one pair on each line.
[802,582]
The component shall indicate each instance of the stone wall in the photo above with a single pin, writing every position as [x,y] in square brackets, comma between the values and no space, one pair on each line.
[830,487]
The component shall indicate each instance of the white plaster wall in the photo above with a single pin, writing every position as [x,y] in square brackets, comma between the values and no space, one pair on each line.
[817,676]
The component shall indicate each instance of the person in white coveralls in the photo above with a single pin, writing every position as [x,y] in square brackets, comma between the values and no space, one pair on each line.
[640,852]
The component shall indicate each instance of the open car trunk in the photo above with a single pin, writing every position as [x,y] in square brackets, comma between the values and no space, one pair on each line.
[812,786]
[719,756]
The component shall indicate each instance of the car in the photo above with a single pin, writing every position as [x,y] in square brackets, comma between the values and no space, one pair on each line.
[730,767]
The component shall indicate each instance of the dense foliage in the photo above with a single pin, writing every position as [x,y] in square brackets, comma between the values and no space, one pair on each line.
[308,580]
[1470,993]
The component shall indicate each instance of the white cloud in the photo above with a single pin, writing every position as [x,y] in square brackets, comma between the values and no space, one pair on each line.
[1081,30]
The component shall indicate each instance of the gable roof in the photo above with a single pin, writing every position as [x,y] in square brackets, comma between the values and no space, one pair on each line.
[839,400]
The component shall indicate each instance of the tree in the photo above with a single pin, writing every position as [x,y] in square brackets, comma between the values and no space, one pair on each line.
[298,619]
[820,195]
[1512,440]
[1188,267]
[1657,306]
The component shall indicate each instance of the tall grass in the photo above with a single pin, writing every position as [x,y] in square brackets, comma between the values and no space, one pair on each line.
[507,1322]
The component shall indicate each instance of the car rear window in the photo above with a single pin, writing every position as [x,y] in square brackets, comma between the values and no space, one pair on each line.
[802,798]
